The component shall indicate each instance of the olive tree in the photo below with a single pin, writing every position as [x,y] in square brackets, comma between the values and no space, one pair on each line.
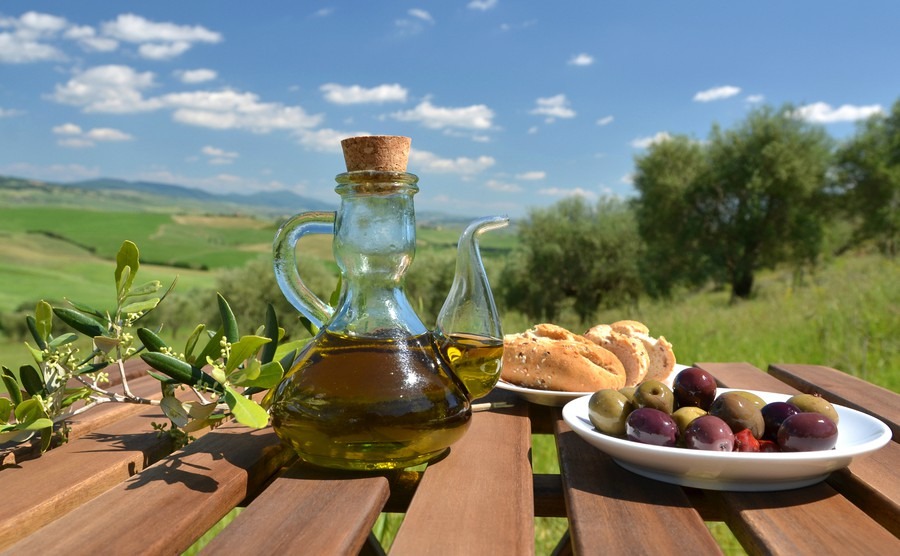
[748,198]
[868,176]
[573,252]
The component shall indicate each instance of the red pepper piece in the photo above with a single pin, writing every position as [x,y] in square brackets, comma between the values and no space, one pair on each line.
[744,441]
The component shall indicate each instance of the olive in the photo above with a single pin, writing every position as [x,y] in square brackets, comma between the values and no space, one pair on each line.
[739,412]
[607,411]
[655,394]
[685,415]
[757,401]
[651,426]
[805,432]
[628,392]
[709,433]
[774,414]
[810,403]
[694,387]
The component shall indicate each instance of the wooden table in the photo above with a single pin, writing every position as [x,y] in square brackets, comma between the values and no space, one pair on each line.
[114,490]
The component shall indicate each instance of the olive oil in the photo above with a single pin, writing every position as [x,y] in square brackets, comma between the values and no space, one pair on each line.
[475,359]
[370,403]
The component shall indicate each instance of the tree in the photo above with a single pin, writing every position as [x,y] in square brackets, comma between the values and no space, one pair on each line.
[749,198]
[573,251]
[868,175]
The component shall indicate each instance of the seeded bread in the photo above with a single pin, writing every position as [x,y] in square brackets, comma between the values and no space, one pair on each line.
[630,351]
[662,357]
[549,357]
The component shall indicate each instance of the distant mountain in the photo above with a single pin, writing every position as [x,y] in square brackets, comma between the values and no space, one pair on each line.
[272,201]
[122,195]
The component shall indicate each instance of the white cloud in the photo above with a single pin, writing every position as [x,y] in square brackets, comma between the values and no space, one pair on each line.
[421,14]
[158,40]
[563,192]
[606,120]
[113,88]
[477,116]
[415,23]
[356,94]
[73,136]
[25,42]
[482,5]
[645,142]
[218,156]
[553,107]
[823,113]
[323,12]
[218,183]
[430,162]
[199,75]
[716,93]
[532,175]
[755,99]
[581,60]
[163,51]
[87,37]
[229,109]
[502,187]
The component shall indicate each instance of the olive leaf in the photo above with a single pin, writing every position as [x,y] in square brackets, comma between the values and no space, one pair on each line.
[243,350]
[127,264]
[80,322]
[246,411]
[229,323]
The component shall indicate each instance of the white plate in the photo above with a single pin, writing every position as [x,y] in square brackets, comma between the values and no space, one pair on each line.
[558,399]
[858,434]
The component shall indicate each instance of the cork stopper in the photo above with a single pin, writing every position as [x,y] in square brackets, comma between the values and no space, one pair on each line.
[384,153]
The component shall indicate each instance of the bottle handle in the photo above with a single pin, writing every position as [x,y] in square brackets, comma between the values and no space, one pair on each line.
[284,251]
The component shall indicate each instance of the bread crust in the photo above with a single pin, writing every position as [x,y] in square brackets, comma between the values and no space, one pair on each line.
[630,351]
[630,327]
[549,357]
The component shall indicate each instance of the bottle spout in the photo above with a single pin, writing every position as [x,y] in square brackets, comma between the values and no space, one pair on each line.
[469,313]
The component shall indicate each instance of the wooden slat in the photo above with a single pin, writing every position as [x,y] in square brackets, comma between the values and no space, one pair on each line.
[840,388]
[479,499]
[769,522]
[163,509]
[810,520]
[613,511]
[43,489]
[307,511]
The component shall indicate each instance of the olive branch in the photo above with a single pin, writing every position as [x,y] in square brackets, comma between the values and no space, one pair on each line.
[215,377]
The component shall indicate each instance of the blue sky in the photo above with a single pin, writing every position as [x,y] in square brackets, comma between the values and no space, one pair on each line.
[510,105]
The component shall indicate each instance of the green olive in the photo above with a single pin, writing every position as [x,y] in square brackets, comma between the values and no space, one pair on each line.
[739,412]
[810,403]
[757,401]
[685,415]
[628,392]
[655,394]
[607,410]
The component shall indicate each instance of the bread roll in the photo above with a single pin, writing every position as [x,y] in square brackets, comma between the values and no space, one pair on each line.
[662,357]
[549,357]
[630,327]
[630,351]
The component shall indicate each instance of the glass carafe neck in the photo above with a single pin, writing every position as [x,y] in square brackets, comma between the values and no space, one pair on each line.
[374,244]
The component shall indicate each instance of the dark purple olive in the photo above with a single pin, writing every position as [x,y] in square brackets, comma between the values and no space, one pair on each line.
[807,432]
[694,387]
[651,426]
[709,433]
[774,414]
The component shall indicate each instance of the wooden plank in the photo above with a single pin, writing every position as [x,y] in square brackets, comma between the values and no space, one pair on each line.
[844,389]
[163,509]
[307,511]
[479,499]
[614,511]
[810,520]
[43,489]
[768,522]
